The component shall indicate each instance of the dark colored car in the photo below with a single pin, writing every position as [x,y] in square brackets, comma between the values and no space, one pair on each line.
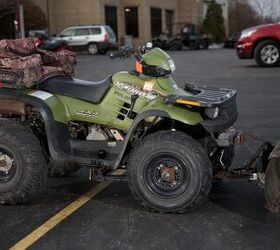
[261,43]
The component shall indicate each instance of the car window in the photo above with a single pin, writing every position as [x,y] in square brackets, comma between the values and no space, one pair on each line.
[82,32]
[68,33]
[95,31]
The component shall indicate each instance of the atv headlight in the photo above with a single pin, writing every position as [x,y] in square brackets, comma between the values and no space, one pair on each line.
[212,113]
[172,65]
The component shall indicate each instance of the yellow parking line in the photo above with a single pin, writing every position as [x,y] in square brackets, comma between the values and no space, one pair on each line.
[59,217]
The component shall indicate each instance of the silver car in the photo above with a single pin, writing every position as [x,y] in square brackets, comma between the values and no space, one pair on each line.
[93,38]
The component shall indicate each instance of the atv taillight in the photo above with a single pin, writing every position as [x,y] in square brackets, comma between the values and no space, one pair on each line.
[106,38]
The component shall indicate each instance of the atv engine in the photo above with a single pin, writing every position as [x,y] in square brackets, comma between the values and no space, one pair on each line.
[93,132]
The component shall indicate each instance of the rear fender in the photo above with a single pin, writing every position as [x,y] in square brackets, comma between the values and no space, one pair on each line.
[52,112]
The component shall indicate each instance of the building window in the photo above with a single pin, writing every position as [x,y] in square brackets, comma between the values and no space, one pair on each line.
[111,18]
[131,21]
[169,17]
[156,22]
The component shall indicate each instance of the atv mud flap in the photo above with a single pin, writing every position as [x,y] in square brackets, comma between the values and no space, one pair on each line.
[272,181]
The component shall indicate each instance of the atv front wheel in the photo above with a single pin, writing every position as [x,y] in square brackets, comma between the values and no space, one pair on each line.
[22,164]
[170,172]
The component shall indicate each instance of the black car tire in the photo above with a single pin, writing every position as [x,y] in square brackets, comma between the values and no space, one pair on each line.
[265,50]
[166,150]
[93,49]
[23,164]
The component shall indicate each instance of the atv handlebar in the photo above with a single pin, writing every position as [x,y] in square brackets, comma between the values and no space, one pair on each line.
[127,51]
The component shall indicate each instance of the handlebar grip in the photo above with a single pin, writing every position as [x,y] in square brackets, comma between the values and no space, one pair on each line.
[116,54]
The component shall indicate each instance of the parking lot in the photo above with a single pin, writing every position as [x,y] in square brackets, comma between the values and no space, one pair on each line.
[233,217]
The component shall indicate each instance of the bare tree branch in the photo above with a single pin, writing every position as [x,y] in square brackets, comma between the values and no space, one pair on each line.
[268,9]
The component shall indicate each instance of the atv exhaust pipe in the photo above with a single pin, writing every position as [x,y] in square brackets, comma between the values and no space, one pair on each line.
[272,181]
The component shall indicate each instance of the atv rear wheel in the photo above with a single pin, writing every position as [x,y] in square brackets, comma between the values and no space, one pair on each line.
[22,164]
[62,169]
[272,185]
[170,172]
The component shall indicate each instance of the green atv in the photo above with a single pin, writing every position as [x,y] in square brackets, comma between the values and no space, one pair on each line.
[169,140]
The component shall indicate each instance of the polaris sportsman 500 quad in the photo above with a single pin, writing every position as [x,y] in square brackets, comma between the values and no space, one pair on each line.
[170,141]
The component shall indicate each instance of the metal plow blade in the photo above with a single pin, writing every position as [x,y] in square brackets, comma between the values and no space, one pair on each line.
[272,181]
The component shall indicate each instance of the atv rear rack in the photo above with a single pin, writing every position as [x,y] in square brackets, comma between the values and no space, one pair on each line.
[202,96]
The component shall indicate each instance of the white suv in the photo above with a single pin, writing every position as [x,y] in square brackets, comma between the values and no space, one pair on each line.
[93,38]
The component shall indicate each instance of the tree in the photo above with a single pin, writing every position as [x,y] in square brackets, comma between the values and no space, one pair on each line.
[242,15]
[214,22]
[268,9]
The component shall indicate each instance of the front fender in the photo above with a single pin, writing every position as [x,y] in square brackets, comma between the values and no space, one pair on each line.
[155,109]
[184,115]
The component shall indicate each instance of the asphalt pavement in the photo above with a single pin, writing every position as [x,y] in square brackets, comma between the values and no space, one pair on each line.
[233,217]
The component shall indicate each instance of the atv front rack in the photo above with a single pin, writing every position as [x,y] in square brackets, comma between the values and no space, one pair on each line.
[202,96]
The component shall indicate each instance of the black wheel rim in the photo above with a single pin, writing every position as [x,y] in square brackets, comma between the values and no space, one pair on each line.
[166,176]
[8,165]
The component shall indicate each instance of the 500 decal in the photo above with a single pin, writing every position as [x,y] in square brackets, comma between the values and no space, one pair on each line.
[135,90]
[88,113]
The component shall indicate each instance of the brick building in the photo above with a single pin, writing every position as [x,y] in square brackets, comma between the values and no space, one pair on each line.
[142,19]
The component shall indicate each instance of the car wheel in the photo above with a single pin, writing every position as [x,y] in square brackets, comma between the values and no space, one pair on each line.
[267,53]
[169,172]
[92,49]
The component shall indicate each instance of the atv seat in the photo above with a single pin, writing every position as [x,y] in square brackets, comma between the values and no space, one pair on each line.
[88,91]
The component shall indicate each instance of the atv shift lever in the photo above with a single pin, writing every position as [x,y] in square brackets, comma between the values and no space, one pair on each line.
[133,101]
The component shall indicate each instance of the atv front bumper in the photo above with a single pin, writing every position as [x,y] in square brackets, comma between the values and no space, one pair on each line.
[206,98]
[227,117]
